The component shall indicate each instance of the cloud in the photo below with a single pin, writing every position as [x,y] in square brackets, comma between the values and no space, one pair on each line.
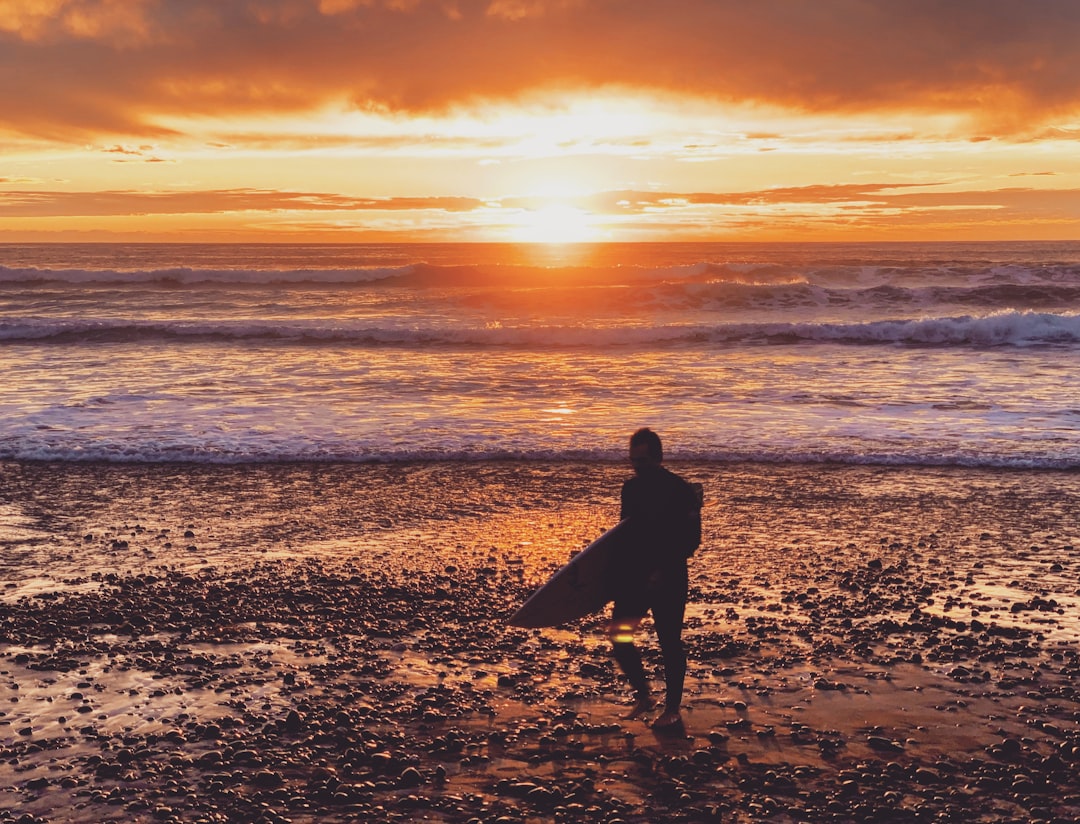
[869,197]
[135,154]
[862,200]
[859,212]
[116,21]
[126,203]
[523,9]
[874,211]
[122,66]
[641,202]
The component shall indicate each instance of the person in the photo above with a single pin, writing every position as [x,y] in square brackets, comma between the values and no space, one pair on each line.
[665,513]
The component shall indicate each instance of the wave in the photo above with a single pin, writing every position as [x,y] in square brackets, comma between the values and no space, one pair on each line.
[189,277]
[726,296]
[306,453]
[998,329]
[416,275]
[694,292]
[1006,328]
[421,274]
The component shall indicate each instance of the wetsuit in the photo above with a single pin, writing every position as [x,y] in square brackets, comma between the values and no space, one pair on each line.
[652,574]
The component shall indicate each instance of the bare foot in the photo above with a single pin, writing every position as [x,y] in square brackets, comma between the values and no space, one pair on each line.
[642,706]
[670,719]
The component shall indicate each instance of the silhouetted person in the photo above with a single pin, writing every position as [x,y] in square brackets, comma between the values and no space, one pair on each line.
[665,515]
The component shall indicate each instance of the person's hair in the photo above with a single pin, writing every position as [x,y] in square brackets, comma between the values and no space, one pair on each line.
[651,440]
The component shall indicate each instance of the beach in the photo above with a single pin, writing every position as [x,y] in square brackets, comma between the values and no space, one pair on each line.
[328,642]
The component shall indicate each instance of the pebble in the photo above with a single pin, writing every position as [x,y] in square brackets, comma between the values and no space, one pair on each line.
[333,729]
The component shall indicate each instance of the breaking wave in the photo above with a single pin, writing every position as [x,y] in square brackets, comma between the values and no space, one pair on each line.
[1007,328]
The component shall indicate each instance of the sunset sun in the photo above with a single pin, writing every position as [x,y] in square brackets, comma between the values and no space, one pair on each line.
[555,223]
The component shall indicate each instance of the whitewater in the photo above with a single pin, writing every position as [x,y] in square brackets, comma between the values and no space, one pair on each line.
[918,354]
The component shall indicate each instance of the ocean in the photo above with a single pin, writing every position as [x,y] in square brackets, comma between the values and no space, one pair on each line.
[943,354]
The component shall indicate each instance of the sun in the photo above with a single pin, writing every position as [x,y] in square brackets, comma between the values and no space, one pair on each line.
[555,223]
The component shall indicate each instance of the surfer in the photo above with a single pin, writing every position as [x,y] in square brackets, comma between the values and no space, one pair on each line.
[665,513]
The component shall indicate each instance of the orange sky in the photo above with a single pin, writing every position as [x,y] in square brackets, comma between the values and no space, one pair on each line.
[363,120]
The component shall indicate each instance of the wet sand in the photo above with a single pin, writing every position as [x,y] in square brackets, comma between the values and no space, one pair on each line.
[327,643]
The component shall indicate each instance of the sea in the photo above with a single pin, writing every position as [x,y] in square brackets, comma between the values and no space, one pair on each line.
[940,354]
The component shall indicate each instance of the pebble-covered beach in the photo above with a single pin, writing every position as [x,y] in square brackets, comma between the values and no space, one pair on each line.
[308,642]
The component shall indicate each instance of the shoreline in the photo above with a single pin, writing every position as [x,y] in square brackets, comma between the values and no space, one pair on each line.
[865,644]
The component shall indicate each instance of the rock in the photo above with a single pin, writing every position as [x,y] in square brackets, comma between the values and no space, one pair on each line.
[924,775]
[267,779]
[294,723]
[883,744]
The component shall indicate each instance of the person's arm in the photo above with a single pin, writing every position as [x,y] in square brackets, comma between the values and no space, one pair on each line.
[694,500]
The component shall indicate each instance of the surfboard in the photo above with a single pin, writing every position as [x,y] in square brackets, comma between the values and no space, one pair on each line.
[577,589]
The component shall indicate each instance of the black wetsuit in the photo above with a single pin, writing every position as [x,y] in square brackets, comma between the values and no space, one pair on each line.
[652,574]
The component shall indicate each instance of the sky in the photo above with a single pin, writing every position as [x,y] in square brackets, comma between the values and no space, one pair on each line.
[539,120]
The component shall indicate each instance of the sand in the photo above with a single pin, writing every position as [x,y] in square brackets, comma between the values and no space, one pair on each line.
[327,643]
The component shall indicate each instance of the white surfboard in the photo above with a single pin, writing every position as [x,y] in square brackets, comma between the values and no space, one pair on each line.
[577,589]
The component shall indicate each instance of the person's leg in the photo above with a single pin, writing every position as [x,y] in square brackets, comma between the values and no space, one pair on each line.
[624,623]
[669,608]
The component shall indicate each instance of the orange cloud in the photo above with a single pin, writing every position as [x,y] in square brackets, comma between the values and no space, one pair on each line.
[116,21]
[871,198]
[134,154]
[124,203]
[701,214]
[118,66]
